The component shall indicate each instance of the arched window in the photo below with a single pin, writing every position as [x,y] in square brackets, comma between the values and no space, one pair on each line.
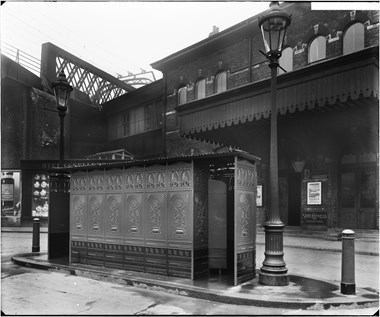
[182,95]
[286,60]
[221,82]
[353,39]
[201,89]
[317,49]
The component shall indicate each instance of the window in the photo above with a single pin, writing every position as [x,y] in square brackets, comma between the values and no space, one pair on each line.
[221,82]
[125,123]
[317,49]
[134,121]
[353,39]
[286,60]
[201,89]
[182,95]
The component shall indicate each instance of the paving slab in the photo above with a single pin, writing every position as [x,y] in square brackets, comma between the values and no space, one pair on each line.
[301,293]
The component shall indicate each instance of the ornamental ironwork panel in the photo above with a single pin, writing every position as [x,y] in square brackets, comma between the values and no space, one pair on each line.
[95,212]
[78,183]
[155,217]
[133,213]
[200,205]
[113,216]
[180,177]
[114,182]
[245,221]
[134,180]
[201,217]
[95,182]
[78,215]
[180,221]
[156,178]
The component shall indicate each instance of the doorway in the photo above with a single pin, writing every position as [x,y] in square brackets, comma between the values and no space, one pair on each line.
[221,228]
[294,199]
[358,199]
[59,219]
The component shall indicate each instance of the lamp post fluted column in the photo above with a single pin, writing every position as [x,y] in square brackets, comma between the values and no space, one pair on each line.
[274,272]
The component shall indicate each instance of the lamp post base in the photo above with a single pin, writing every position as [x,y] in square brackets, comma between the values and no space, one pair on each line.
[273,279]
[348,288]
[274,271]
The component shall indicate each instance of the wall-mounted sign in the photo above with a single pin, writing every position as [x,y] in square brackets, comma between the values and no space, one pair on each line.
[314,193]
[259,196]
[314,218]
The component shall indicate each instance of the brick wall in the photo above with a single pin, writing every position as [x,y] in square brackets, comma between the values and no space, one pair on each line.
[235,57]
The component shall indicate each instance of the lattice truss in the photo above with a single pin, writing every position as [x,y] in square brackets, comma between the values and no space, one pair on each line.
[99,89]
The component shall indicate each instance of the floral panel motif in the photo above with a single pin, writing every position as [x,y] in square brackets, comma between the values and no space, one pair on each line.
[180,178]
[133,206]
[180,207]
[200,179]
[78,213]
[155,204]
[95,213]
[78,183]
[245,209]
[246,177]
[96,182]
[113,209]
[155,179]
[134,180]
[114,182]
[201,217]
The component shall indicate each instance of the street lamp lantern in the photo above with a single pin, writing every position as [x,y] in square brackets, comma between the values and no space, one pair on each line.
[274,272]
[273,28]
[62,90]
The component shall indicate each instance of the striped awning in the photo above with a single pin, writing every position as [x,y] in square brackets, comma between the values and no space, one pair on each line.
[309,88]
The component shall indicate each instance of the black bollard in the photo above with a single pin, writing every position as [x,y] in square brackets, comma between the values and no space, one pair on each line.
[36,235]
[347,285]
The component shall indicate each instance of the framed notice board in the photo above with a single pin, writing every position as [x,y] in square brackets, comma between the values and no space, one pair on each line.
[314,193]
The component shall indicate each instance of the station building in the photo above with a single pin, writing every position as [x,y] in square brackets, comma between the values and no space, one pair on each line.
[218,91]
[215,95]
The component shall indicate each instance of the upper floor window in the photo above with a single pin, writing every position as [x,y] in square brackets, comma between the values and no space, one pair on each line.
[286,60]
[221,82]
[182,95]
[135,121]
[317,49]
[200,89]
[353,39]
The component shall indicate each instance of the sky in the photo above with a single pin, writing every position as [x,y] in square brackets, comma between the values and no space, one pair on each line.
[119,37]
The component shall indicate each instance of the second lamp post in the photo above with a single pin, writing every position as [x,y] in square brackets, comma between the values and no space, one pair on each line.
[274,272]
[62,90]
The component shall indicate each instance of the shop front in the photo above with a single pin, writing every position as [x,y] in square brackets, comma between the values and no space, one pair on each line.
[10,198]
[186,216]
[35,191]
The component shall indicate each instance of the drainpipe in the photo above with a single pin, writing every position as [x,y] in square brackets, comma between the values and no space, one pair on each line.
[250,58]
[164,107]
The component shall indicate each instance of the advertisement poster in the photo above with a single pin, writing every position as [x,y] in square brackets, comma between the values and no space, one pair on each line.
[314,193]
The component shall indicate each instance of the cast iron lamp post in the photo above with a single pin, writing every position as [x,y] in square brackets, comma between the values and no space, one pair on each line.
[62,90]
[274,272]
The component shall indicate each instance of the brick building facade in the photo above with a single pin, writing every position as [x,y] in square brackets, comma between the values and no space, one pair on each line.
[328,111]
[215,94]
